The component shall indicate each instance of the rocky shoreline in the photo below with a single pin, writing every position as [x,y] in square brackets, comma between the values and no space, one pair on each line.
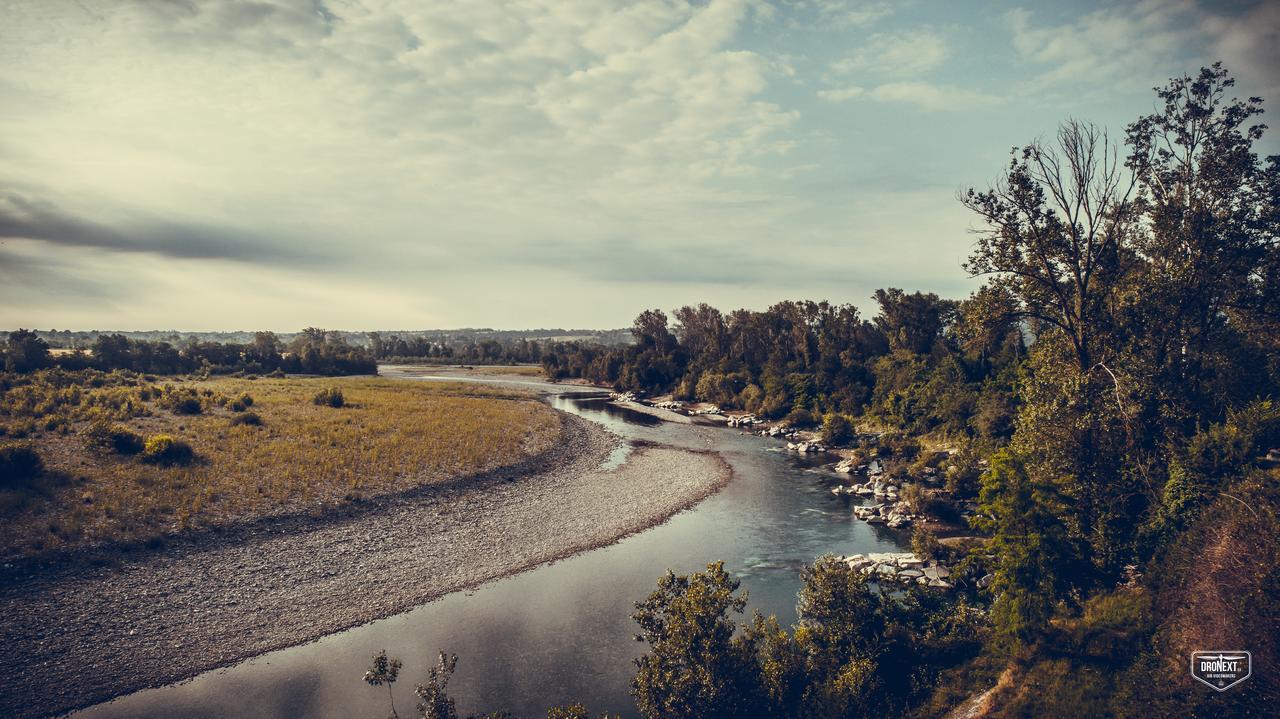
[95,627]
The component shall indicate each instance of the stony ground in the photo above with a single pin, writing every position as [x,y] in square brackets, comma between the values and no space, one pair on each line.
[103,625]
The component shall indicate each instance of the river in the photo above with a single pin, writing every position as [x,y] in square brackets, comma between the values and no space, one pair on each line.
[561,632]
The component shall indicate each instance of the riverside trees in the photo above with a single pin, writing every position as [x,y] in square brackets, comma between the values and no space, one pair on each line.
[1148,282]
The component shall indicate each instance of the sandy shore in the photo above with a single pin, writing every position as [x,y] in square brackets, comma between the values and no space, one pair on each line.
[102,626]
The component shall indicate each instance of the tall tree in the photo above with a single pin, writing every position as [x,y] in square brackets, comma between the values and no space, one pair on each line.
[1058,225]
[1210,243]
[912,322]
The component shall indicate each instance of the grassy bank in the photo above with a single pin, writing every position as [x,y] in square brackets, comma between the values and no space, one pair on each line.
[257,447]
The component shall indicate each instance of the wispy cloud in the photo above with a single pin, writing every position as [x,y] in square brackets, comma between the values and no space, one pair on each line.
[900,54]
[933,97]
[842,94]
[24,218]
[1121,47]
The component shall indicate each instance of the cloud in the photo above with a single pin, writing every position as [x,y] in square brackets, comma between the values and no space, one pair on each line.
[894,59]
[842,94]
[856,13]
[1125,46]
[1104,45]
[79,287]
[1249,45]
[933,97]
[901,54]
[25,218]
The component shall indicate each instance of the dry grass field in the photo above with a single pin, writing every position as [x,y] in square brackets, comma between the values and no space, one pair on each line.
[296,456]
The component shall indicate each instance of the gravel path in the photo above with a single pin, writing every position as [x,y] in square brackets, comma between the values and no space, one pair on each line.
[77,634]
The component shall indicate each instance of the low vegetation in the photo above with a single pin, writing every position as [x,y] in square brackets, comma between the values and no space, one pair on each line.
[329,397]
[94,457]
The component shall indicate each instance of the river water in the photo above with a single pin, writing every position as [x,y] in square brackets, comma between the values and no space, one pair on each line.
[561,632]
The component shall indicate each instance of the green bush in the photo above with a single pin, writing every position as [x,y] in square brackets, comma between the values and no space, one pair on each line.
[110,437]
[247,418]
[836,429]
[187,405]
[19,462]
[164,449]
[899,445]
[181,401]
[799,417]
[331,396]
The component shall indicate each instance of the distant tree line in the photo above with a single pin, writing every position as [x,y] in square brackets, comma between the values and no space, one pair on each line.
[313,351]
[426,349]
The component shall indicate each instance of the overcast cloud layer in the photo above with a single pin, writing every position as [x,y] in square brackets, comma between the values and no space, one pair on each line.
[222,164]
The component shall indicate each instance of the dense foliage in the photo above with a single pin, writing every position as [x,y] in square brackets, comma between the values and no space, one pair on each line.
[922,363]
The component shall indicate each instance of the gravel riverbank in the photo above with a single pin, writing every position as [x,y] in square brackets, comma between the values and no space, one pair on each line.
[97,627]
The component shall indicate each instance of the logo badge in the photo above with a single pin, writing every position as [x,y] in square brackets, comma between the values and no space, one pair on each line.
[1220,668]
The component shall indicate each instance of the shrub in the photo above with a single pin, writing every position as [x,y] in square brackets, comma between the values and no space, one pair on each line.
[331,396]
[924,543]
[248,418]
[914,497]
[19,462]
[942,509]
[180,401]
[113,438]
[836,429]
[799,417]
[237,406]
[164,449]
[187,405]
[245,399]
[899,445]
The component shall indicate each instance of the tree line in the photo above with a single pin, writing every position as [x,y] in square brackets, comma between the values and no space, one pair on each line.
[425,349]
[313,351]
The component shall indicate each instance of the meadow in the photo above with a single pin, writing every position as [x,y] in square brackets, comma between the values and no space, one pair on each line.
[126,457]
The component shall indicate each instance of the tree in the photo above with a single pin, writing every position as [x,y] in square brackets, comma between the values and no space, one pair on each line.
[1035,557]
[650,330]
[694,667]
[836,428]
[839,633]
[701,330]
[433,702]
[912,322]
[26,352]
[1211,247]
[265,350]
[384,670]
[1059,241]
[1058,227]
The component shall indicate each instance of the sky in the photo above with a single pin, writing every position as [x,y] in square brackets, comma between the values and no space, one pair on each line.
[359,164]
